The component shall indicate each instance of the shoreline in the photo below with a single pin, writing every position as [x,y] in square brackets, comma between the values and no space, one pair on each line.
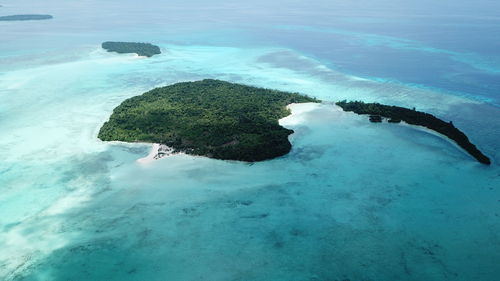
[300,108]
[151,156]
[160,151]
[297,109]
[396,114]
[137,56]
[239,122]
[436,134]
[157,152]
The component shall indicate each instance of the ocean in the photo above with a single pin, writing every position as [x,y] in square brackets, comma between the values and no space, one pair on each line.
[352,200]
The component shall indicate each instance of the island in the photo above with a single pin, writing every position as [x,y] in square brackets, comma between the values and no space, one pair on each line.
[211,118]
[25,17]
[396,114]
[141,49]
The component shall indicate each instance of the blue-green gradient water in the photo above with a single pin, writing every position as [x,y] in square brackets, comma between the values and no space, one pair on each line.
[352,201]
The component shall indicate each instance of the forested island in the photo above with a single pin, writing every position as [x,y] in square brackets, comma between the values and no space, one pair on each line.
[211,118]
[397,114]
[230,121]
[25,17]
[142,49]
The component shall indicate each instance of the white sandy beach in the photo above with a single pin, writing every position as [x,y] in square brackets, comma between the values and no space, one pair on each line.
[296,110]
[297,117]
[151,156]
[136,56]
[157,152]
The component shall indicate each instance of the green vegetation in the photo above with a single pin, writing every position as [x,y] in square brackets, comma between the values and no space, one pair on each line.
[413,117]
[142,49]
[212,118]
[25,17]
[230,121]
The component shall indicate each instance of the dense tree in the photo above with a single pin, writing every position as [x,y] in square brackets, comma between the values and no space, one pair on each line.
[212,118]
[414,117]
[142,49]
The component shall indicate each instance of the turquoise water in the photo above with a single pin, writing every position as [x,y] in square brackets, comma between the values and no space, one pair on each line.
[352,200]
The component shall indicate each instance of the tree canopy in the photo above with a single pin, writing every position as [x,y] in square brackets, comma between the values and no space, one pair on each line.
[212,118]
[142,49]
[414,117]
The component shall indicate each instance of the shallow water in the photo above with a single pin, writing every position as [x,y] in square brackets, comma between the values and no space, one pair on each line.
[353,200]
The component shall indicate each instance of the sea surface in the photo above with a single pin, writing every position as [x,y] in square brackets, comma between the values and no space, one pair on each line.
[352,201]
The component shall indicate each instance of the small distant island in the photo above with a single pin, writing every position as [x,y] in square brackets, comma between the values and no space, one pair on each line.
[141,49]
[210,118]
[396,114]
[25,17]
